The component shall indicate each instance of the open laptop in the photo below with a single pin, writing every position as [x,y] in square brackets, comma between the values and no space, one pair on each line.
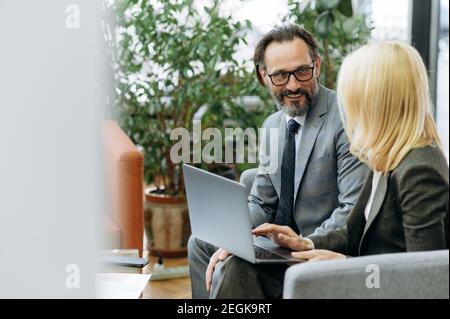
[219,215]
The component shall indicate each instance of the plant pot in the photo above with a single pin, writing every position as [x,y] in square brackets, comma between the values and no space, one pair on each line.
[167,225]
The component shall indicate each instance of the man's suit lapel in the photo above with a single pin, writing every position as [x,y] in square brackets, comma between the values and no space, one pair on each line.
[280,147]
[313,123]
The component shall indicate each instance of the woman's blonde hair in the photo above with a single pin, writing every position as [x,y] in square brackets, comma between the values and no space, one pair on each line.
[384,99]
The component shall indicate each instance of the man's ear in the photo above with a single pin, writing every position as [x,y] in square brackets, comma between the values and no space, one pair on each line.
[261,74]
[318,62]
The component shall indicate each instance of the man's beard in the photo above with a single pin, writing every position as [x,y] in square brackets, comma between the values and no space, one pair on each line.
[295,108]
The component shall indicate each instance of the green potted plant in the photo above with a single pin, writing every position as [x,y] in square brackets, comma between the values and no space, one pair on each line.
[170,60]
[243,114]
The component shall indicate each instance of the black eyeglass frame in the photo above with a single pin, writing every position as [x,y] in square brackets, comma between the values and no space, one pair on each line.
[292,73]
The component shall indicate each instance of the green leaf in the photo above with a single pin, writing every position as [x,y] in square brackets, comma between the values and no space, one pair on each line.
[345,7]
[350,26]
[324,5]
[324,24]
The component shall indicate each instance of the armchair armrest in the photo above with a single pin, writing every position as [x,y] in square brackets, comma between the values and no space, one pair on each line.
[401,275]
[125,185]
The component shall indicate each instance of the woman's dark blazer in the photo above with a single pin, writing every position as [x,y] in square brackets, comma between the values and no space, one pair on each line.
[409,211]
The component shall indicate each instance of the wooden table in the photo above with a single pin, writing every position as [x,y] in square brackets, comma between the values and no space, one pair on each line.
[178,288]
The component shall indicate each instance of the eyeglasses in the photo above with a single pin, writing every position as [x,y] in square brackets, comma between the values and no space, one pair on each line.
[302,74]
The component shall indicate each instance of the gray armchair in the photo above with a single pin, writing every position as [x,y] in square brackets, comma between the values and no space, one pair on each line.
[399,275]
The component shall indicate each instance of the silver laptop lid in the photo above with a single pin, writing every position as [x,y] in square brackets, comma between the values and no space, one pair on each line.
[218,212]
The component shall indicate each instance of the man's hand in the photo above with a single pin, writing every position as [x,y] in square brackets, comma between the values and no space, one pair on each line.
[219,255]
[318,254]
[284,236]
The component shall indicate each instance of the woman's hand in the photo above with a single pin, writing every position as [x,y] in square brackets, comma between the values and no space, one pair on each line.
[318,254]
[284,236]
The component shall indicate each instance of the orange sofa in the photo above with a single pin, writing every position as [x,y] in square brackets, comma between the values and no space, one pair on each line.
[124,170]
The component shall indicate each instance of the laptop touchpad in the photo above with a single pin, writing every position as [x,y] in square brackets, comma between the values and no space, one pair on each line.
[269,245]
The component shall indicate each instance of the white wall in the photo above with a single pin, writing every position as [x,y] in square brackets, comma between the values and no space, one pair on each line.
[50,110]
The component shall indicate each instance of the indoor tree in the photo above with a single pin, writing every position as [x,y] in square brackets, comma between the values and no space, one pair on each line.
[171,58]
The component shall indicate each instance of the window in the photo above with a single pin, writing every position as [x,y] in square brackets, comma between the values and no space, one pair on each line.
[390,19]
[442,102]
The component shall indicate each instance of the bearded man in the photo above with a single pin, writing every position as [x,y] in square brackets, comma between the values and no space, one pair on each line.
[315,183]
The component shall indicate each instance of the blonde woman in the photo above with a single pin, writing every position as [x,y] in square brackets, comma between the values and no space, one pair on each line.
[385,106]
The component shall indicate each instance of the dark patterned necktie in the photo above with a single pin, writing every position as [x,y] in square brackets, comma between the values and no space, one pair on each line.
[285,212]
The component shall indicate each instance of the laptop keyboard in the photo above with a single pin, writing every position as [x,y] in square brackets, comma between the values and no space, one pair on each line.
[261,253]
